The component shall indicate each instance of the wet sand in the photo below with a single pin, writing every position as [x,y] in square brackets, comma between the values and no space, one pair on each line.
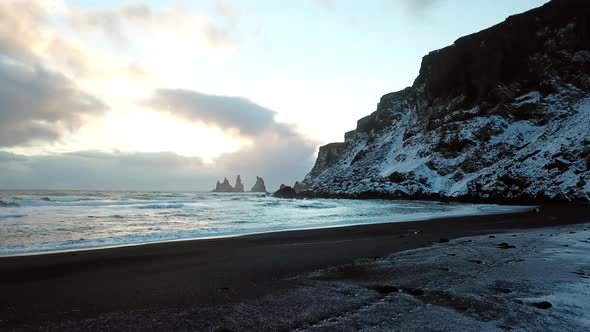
[148,286]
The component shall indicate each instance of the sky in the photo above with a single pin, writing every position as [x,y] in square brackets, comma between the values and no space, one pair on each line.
[175,95]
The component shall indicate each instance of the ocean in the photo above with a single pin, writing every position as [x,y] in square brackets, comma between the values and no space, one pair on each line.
[33,222]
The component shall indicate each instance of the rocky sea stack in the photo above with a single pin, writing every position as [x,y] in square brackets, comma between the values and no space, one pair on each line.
[259,186]
[502,115]
[285,192]
[225,187]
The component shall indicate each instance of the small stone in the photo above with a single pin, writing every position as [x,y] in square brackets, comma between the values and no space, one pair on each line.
[542,305]
[443,240]
[415,291]
[492,236]
[385,289]
[505,245]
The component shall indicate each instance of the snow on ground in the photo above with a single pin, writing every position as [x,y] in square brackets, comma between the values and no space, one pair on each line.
[483,283]
[468,284]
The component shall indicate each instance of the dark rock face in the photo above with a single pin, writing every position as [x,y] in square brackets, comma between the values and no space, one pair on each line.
[225,187]
[328,155]
[285,192]
[298,187]
[239,187]
[502,115]
[259,186]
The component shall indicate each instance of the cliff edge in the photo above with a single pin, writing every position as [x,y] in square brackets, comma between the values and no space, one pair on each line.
[502,115]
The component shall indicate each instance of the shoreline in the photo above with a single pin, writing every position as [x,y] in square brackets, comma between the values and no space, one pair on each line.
[516,209]
[41,290]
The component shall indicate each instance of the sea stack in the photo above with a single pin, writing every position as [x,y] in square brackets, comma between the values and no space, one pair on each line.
[239,187]
[285,192]
[259,186]
[225,187]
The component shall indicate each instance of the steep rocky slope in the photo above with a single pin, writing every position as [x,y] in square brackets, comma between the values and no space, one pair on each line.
[500,115]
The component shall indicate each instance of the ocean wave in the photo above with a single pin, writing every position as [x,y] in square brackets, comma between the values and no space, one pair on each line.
[161,206]
[271,203]
[316,205]
[8,204]
[11,215]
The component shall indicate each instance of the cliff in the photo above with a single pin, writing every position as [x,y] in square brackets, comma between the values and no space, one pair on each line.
[502,115]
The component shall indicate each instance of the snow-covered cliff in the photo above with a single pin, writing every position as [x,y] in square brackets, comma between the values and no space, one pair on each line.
[500,115]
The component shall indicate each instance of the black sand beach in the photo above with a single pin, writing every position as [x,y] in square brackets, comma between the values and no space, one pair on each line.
[76,289]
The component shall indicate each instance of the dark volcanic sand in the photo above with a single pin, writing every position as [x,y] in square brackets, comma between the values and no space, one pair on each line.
[44,290]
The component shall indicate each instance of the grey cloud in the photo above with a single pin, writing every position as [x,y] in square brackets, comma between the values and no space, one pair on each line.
[93,170]
[221,111]
[112,22]
[326,4]
[40,105]
[420,7]
[278,153]
[100,170]
[26,35]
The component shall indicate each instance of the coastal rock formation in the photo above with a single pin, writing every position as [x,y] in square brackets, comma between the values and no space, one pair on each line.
[502,115]
[298,187]
[225,187]
[259,186]
[285,192]
[239,187]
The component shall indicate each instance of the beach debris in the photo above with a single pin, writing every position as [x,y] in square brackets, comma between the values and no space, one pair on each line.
[505,245]
[542,305]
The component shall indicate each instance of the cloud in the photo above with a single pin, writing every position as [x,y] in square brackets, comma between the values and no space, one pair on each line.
[279,156]
[221,111]
[37,104]
[92,170]
[420,7]
[120,24]
[101,170]
[277,151]
[328,5]
[26,33]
